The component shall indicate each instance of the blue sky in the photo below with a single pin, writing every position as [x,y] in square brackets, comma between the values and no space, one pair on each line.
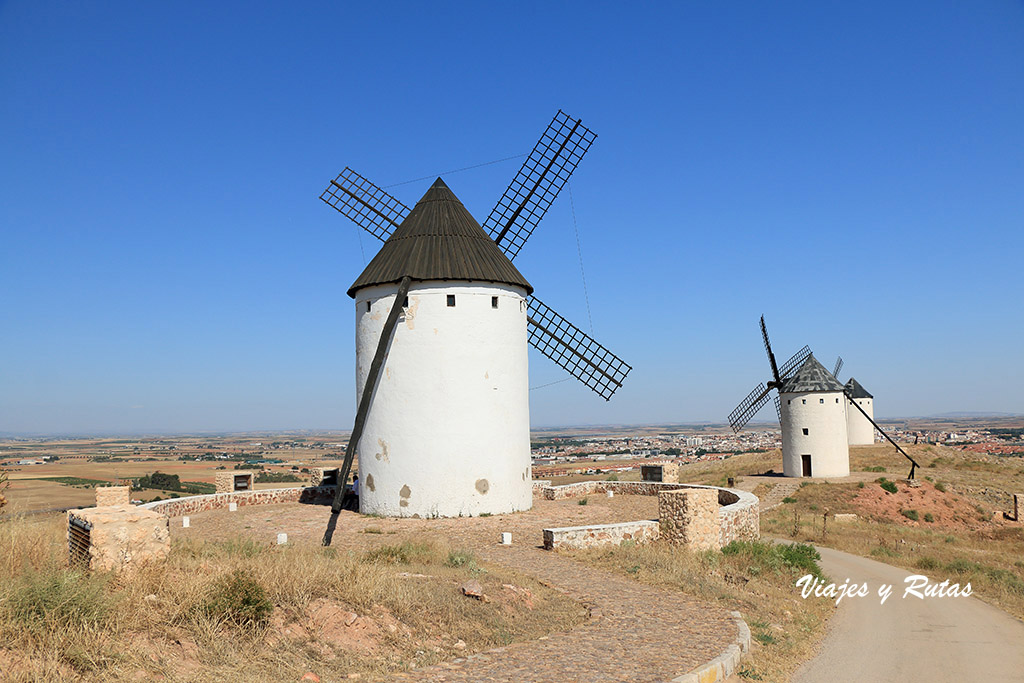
[854,171]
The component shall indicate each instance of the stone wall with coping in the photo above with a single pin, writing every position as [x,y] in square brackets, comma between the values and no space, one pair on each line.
[113,495]
[739,516]
[738,513]
[176,507]
[601,534]
[539,485]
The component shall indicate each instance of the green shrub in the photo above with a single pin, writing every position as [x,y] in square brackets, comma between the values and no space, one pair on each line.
[582,501]
[239,599]
[876,468]
[59,597]
[461,558]
[927,563]
[939,486]
[860,484]
[789,499]
[882,551]
[889,486]
[612,477]
[929,517]
[761,556]
[909,514]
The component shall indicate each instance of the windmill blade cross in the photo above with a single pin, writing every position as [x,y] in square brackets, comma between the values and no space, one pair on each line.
[839,366]
[748,407]
[538,182]
[365,204]
[795,362]
[768,350]
[574,350]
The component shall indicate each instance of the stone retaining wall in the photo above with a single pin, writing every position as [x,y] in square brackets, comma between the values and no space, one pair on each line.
[739,516]
[738,511]
[176,507]
[600,534]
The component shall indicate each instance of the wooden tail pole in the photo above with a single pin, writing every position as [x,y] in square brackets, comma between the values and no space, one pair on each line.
[913,463]
[371,384]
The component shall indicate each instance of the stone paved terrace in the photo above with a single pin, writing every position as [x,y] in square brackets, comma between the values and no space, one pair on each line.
[638,632]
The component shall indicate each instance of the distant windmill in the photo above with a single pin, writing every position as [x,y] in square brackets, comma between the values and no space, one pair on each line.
[442,426]
[813,412]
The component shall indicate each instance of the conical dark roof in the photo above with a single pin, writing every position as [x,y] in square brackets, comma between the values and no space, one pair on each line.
[439,240]
[855,390]
[811,376]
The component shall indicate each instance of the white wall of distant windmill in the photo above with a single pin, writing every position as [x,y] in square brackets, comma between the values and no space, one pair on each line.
[448,431]
[822,414]
[861,432]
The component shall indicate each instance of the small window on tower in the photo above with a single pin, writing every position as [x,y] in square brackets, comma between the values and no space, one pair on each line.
[405,302]
[805,431]
[804,401]
[789,402]
[837,400]
[367,306]
[494,302]
[451,300]
[821,400]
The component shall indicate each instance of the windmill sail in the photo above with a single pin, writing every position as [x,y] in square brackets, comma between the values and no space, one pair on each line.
[748,407]
[368,206]
[790,366]
[538,182]
[574,350]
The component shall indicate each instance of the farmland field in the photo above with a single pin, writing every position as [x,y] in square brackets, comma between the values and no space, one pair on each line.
[62,473]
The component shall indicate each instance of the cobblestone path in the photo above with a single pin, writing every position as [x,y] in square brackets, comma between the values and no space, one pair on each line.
[637,633]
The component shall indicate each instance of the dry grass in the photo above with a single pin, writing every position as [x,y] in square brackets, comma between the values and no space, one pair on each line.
[755,578]
[169,619]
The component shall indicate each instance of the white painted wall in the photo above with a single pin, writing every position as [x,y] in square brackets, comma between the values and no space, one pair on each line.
[448,431]
[823,415]
[860,431]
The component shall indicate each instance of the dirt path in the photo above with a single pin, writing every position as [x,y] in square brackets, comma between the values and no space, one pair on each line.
[910,639]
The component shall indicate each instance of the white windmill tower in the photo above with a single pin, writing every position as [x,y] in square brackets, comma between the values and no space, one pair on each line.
[813,410]
[814,439]
[449,430]
[443,319]
[859,422]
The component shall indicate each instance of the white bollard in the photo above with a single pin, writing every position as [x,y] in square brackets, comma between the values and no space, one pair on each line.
[185,523]
[282,539]
[232,507]
[506,538]
[610,493]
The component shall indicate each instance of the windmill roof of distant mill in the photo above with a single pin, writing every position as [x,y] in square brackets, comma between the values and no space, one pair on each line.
[439,240]
[812,376]
[855,390]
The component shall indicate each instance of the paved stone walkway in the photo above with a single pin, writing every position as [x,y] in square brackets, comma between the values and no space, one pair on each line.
[637,633]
